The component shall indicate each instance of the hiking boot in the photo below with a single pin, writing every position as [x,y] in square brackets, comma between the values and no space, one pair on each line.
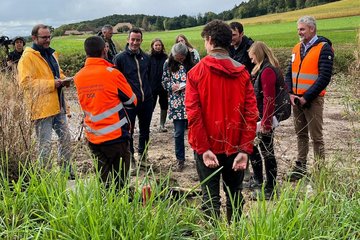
[258,194]
[144,161]
[179,167]
[162,129]
[297,173]
[254,184]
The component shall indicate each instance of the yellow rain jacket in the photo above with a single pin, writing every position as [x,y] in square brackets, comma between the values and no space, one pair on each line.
[38,83]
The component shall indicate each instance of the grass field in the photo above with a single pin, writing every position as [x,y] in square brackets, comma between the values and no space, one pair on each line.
[339,21]
[341,31]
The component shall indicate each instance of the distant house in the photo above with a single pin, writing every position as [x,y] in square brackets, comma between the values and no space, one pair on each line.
[73,32]
[124,25]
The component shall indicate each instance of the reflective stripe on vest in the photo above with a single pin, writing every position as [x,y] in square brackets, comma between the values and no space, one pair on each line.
[105,114]
[305,71]
[131,100]
[107,129]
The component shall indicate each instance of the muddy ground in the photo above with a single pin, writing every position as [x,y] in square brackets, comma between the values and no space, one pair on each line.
[339,130]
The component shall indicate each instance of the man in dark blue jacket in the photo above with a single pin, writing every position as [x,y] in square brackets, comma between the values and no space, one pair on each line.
[135,65]
[307,77]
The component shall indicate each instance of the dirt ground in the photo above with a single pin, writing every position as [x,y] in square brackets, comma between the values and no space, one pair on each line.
[338,133]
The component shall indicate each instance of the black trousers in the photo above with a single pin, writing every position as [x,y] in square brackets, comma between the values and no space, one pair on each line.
[113,162]
[144,112]
[163,98]
[232,185]
[267,151]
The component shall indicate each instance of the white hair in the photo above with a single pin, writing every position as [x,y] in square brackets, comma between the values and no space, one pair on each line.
[179,48]
[308,20]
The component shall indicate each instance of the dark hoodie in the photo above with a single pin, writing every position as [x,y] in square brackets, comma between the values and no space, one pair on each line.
[325,65]
[136,69]
[157,61]
[241,53]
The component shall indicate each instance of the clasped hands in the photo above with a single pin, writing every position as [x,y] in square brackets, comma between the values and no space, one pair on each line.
[211,161]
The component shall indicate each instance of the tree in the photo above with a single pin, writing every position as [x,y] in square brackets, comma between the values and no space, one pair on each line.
[209,16]
[84,27]
[145,23]
[159,25]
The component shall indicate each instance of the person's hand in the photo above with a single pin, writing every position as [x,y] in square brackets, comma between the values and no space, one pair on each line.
[240,162]
[210,159]
[292,99]
[175,87]
[302,101]
[58,83]
[10,63]
[263,130]
[66,81]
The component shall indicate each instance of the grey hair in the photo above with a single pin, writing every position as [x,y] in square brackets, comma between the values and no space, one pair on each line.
[179,48]
[308,20]
[106,27]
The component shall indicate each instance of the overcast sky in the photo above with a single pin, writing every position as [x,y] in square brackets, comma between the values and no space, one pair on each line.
[18,17]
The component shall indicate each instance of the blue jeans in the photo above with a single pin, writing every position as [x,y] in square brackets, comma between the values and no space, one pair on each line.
[179,130]
[43,128]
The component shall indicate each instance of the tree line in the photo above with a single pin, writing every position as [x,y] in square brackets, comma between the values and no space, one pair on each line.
[251,8]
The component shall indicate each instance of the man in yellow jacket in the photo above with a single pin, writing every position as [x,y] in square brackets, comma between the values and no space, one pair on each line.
[42,80]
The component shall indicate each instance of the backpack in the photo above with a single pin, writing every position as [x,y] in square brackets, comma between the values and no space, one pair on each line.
[282,98]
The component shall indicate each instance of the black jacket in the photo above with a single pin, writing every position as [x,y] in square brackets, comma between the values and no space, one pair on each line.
[157,61]
[325,65]
[133,66]
[14,56]
[241,53]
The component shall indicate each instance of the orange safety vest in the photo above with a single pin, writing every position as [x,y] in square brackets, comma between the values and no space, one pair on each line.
[305,71]
[98,89]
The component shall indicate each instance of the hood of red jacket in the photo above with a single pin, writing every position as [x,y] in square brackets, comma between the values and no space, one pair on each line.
[220,63]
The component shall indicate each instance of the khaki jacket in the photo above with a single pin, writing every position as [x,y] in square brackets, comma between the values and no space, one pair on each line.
[37,80]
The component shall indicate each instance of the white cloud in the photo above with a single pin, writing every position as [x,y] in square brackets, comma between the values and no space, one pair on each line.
[18,17]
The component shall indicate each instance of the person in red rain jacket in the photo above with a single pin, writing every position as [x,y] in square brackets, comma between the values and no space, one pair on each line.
[104,94]
[222,113]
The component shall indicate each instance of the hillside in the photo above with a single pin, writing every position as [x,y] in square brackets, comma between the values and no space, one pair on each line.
[244,10]
[331,10]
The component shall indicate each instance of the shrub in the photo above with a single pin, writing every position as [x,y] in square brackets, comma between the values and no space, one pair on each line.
[71,64]
[15,127]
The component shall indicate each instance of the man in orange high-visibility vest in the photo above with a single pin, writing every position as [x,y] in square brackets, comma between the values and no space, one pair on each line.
[104,95]
[308,75]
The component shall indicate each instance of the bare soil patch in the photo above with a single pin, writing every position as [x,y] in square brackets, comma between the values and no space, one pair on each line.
[339,133]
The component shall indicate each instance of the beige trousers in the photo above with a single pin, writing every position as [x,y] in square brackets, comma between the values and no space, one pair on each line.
[310,120]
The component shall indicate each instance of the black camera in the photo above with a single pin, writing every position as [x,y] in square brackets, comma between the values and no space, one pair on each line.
[297,102]
[5,41]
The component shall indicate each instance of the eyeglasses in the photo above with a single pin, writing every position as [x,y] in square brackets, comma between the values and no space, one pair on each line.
[44,37]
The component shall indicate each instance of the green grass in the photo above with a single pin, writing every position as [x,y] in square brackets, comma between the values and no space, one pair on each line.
[40,205]
[340,31]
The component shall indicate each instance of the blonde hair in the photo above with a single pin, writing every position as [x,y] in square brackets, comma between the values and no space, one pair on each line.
[262,52]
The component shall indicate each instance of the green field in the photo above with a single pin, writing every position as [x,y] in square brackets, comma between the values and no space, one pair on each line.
[341,31]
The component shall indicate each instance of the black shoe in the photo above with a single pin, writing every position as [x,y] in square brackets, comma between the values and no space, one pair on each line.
[297,173]
[162,129]
[71,176]
[179,167]
[258,194]
[254,184]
